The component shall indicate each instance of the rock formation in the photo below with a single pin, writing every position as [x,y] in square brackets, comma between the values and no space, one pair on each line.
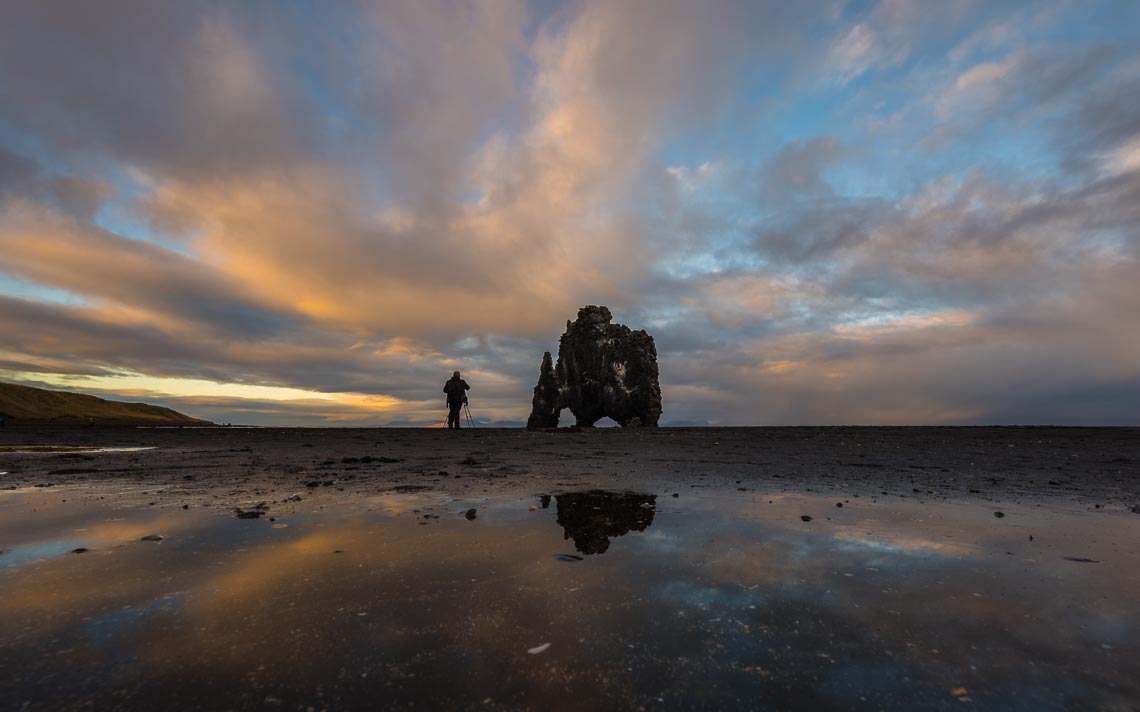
[547,402]
[603,370]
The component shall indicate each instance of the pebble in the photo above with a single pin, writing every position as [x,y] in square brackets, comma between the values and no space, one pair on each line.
[471,514]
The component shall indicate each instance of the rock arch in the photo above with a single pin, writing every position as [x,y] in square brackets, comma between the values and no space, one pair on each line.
[603,369]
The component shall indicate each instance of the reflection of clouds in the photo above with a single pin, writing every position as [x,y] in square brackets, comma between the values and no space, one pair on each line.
[401,503]
[449,605]
[662,541]
[106,630]
[27,554]
[112,544]
[902,544]
[692,595]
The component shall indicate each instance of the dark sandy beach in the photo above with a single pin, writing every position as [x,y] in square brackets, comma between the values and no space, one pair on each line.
[751,568]
[236,466]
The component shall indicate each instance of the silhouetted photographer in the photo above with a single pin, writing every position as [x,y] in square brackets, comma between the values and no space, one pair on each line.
[456,390]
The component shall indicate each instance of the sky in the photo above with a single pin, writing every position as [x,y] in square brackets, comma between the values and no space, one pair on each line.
[832,212]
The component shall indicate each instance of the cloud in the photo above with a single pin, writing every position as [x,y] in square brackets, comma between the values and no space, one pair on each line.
[189,90]
[797,169]
[842,216]
[22,177]
[855,53]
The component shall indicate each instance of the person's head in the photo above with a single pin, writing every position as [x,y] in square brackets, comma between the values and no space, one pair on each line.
[455,375]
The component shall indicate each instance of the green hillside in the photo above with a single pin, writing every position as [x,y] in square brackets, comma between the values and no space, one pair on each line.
[24,403]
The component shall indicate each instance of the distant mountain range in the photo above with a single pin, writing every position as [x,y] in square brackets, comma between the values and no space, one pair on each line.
[24,403]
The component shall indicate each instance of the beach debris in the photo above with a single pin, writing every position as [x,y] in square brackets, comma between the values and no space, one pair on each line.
[80,550]
[532,508]
[248,513]
[999,515]
[838,504]
[152,537]
[567,557]
[367,459]
[469,461]
[603,369]
[805,517]
[1135,509]
[539,649]
[294,498]
[410,488]
[471,514]
[1080,559]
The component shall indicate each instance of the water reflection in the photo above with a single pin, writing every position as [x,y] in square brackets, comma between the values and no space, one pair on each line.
[719,603]
[591,518]
[66,449]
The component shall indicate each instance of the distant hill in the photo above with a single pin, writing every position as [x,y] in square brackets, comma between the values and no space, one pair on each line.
[24,403]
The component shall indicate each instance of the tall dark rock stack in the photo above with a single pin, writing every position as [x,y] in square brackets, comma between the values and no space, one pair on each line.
[603,369]
[547,397]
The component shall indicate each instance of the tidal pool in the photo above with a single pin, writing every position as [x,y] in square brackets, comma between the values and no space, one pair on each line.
[567,600]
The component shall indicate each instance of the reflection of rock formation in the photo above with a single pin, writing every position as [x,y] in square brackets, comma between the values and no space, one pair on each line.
[591,518]
[603,369]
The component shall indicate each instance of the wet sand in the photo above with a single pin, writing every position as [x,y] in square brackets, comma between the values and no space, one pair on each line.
[674,569]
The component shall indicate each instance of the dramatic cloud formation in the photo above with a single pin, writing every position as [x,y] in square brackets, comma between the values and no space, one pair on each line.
[839,212]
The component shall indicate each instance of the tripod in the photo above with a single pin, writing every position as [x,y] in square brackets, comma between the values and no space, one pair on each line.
[467,413]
